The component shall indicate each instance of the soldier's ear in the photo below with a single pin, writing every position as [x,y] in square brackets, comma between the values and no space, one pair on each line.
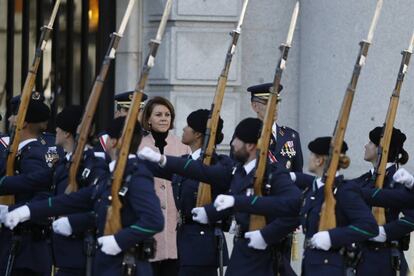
[112,142]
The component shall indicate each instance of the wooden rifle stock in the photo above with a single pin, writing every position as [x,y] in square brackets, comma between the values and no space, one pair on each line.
[25,99]
[113,219]
[327,219]
[257,221]
[204,190]
[383,149]
[84,128]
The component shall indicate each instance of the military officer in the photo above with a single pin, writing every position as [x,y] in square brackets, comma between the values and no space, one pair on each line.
[122,105]
[285,145]
[325,250]
[386,249]
[33,177]
[72,232]
[201,248]
[253,251]
[141,215]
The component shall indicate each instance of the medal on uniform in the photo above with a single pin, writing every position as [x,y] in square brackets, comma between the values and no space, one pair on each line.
[288,149]
[51,156]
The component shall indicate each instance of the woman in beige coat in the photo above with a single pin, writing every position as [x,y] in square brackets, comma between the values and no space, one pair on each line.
[158,119]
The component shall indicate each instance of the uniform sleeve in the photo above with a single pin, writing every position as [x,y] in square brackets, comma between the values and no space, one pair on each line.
[278,229]
[397,229]
[298,164]
[389,198]
[283,201]
[146,205]
[35,176]
[304,180]
[64,204]
[219,175]
[82,222]
[362,224]
[214,215]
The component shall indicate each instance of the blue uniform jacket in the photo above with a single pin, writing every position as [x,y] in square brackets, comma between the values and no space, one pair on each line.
[395,228]
[353,218]
[283,201]
[32,181]
[69,251]
[197,243]
[287,149]
[141,213]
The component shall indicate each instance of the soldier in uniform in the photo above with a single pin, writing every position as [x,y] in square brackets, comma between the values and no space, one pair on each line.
[253,251]
[325,251]
[72,240]
[387,248]
[33,165]
[284,148]
[122,105]
[141,215]
[199,246]
[285,145]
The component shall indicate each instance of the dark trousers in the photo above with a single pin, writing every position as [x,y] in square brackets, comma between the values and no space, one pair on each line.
[197,271]
[25,272]
[165,268]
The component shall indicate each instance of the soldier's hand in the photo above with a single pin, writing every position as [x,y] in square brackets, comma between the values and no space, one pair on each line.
[17,216]
[404,177]
[223,202]
[109,245]
[3,211]
[200,215]
[321,240]
[62,227]
[256,240]
[382,236]
[151,155]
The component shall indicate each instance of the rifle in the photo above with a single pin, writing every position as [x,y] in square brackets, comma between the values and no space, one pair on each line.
[204,190]
[25,99]
[380,166]
[113,218]
[258,222]
[328,220]
[85,125]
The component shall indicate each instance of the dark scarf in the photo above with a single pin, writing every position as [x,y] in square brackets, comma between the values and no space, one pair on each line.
[159,138]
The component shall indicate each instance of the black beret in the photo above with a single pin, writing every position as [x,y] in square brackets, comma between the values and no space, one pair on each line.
[114,130]
[124,99]
[262,91]
[197,120]
[37,112]
[321,146]
[15,101]
[397,138]
[248,130]
[69,118]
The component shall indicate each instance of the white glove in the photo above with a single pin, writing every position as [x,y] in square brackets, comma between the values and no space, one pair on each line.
[404,177]
[109,246]
[382,236]
[223,202]
[200,215]
[321,240]
[256,240]
[17,216]
[62,227]
[3,211]
[149,154]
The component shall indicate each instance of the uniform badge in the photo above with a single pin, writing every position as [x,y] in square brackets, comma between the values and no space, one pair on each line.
[288,149]
[51,156]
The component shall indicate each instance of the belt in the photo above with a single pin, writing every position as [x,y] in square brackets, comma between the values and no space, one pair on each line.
[379,245]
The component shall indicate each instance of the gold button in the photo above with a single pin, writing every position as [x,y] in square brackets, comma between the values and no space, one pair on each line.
[201,232]
[110,197]
[325,261]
